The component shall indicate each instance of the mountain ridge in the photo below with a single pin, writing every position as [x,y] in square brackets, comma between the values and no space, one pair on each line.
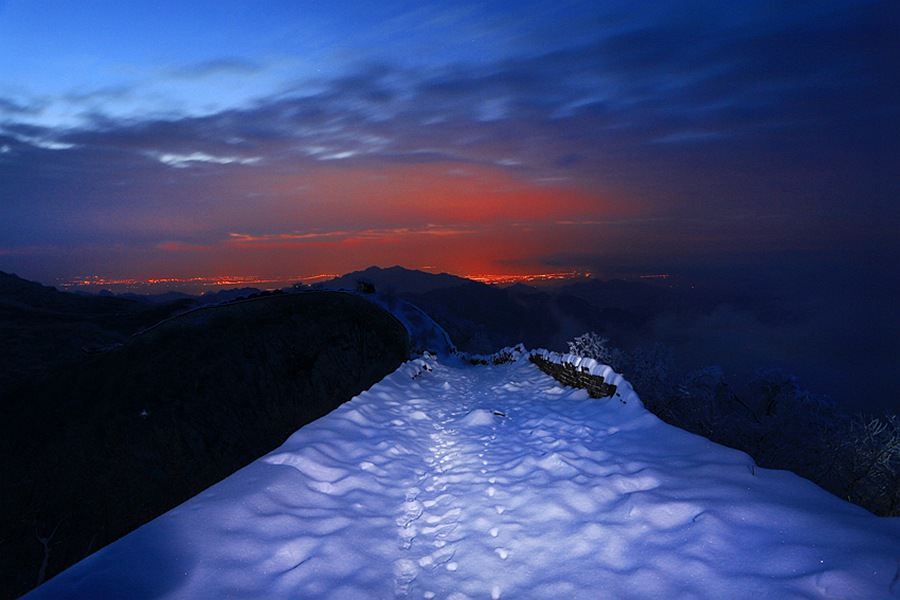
[98,443]
[397,279]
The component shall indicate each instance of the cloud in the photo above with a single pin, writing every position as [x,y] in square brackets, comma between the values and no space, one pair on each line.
[394,233]
[699,76]
[181,161]
[12,108]
[218,67]
[18,135]
[43,143]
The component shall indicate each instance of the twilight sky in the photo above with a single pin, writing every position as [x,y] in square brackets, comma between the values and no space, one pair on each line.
[171,138]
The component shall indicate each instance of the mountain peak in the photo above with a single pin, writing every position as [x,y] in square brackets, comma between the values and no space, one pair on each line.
[397,279]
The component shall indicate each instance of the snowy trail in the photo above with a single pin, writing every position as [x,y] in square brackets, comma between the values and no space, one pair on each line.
[495,482]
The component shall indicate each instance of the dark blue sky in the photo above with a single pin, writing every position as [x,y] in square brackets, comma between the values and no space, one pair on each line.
[177,138]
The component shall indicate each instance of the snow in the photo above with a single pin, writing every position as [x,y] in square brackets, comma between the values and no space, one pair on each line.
[496,482]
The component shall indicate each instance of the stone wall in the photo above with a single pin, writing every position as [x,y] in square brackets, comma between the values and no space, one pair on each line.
[568,374]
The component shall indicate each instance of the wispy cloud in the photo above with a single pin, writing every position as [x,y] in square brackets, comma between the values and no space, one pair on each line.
[216,68]
[361,234]
[12,109]
[45,140]
[181,161]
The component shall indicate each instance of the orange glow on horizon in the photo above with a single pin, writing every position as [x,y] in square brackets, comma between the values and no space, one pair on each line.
[470,219]
[441,194]
[338,218]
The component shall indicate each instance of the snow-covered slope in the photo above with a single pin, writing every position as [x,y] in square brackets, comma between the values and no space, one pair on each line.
[495,482]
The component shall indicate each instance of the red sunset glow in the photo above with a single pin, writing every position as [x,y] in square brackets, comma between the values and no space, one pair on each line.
[459,218]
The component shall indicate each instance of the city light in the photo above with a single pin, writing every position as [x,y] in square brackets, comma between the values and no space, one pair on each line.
[154,284]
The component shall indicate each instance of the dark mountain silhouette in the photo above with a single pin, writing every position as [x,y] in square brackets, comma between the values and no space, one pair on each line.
[634,297]
[98,444]
[397,280]
[482,318]
[649,300]
[42,328]
[214,297]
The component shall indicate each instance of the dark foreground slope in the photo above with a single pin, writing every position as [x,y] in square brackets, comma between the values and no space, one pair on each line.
[42,328]
[97,448]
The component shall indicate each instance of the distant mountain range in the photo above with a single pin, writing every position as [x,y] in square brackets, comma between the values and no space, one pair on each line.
[483,318]
[42,328]
[479,317]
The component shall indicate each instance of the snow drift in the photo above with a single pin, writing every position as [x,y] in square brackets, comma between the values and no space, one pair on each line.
[496,482]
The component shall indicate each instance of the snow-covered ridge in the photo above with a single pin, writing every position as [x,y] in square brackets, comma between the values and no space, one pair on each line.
[580,364]
[496,482]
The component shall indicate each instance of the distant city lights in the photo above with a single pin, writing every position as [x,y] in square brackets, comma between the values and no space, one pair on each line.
[96,282]
[536,278]
[201,283]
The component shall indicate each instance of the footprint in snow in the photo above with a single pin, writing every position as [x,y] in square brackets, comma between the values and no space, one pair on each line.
[412,510]
[405,572]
